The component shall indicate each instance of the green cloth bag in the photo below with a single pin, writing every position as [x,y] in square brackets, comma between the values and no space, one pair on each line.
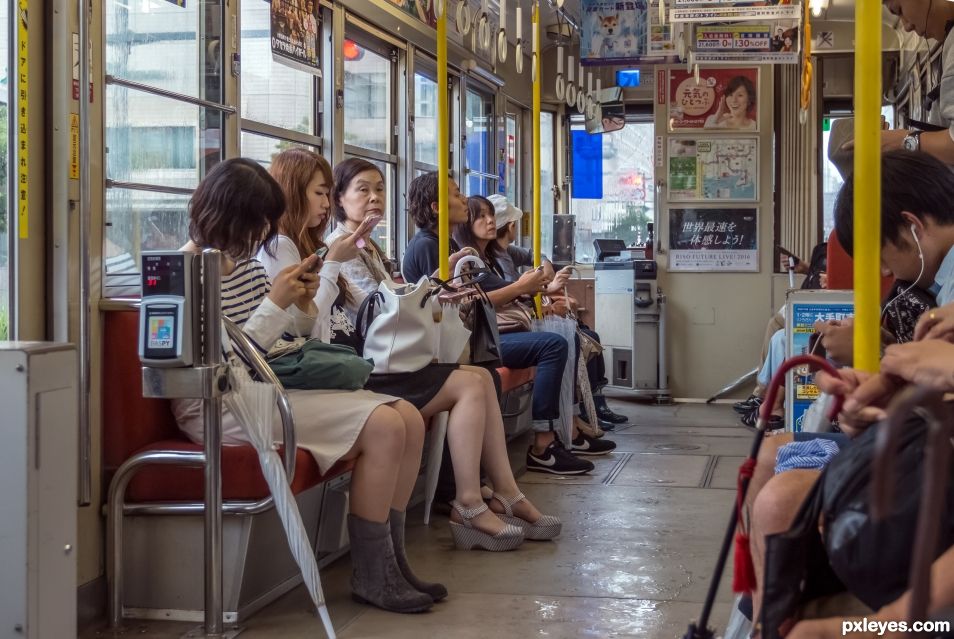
[318,366]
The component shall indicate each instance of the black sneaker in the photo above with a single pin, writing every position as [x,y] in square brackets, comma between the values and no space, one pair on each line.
[557,460]
[604,413]
[743,407]
[605,425]
[586,445]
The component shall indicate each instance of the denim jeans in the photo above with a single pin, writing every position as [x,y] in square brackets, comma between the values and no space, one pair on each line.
[546,351]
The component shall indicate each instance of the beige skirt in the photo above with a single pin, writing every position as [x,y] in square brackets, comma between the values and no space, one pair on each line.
[327,422]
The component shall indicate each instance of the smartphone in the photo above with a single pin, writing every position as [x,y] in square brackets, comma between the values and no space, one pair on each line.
[321,252]
[369,223]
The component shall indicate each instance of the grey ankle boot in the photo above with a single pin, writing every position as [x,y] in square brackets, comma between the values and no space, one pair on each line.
[436,591]
[375,576]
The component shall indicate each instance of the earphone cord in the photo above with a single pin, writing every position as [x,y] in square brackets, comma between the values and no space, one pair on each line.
[916,280]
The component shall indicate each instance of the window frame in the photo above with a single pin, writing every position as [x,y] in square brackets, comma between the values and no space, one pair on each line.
[489,96]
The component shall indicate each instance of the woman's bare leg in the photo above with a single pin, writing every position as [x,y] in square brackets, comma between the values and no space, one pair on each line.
[378,453]
[411,458]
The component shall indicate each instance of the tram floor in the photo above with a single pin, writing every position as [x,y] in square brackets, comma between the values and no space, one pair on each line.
[635,559]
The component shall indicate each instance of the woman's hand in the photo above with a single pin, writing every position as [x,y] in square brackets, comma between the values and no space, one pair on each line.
[937,323]
[458,256]
[866,395]
[559,281]
[293,283]
[927,363]
[344,249]
[532,282]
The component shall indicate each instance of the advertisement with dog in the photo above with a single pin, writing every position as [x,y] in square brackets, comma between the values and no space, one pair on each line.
[618,32]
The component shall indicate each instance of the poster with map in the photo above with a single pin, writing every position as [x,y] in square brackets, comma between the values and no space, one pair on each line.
[713,169]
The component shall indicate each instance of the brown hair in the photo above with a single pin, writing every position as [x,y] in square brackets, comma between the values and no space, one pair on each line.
[236,208]
[293,169]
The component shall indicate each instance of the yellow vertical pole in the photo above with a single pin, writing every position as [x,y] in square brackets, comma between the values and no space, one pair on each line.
[443,142]
[537,164]
[867,191]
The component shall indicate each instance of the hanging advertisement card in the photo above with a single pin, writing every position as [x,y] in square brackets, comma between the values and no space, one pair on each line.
[710,240]
[723,99]
[803,309]
[617,31]
[294,30]
[719,11]
[661,35]
[720,169]
[423,11]
[775,42]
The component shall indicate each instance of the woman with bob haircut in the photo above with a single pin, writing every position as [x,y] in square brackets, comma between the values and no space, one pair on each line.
[235,209]
[475,427]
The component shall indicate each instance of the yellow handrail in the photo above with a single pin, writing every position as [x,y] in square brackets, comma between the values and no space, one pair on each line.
[537,164]
[443,143]
[867,180]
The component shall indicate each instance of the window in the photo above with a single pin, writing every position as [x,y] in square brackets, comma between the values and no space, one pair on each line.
[425,122]
[5,203]
[370,118]
[830,177]
[272,93]
[547,180]
[513,173]
[158,147]
[623,161]
[263,148]
[480,178]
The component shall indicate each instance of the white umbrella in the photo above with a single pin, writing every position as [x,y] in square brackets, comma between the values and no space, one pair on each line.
[253,404]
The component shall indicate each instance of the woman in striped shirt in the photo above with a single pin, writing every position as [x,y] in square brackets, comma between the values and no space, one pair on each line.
[235,209]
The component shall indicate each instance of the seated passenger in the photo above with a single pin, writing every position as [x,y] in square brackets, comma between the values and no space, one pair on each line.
[234,209]
[917,235]
[480,233]
[510,259]
[475,431]
[546,351]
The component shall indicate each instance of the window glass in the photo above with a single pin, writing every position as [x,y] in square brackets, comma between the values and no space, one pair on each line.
[4,203]
[154,140]
[154,42]
[381,232]
[547,180]
[263,148]
[272,93]
[830,177]
[479,129]
[626,166]
[425,119]
[512,153]
[367,98]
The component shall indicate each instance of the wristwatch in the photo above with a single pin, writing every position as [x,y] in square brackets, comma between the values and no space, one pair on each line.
[912,141]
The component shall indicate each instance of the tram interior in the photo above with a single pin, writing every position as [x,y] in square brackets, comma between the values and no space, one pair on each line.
[682,179]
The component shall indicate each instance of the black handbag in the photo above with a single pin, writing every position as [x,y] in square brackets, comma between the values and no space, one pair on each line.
[481,319]
[869,557]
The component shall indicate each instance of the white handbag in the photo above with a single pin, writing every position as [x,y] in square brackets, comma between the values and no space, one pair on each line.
[452,335]
[398,327]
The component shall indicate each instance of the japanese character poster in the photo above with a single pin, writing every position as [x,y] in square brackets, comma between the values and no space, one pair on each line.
[724,99]
[776,42]
[713,169]
[805,310]
[711,240]
[614,30]
[294,30]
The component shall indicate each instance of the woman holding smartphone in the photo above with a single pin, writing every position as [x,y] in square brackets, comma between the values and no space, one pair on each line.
[475,434]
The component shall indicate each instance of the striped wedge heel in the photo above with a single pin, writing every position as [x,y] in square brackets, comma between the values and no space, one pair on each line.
[467,537]
[544,528]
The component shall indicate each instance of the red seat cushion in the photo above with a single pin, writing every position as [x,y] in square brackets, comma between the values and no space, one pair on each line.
[132,424]
[511,378]
[841,274]
[241,475]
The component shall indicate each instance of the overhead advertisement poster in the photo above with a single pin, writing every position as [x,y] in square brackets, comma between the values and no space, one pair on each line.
[722,99]
[618,32]
[707,240]
[294,31]
[766,42]
[731,10]
[713,169]
[423,11]
[661,40]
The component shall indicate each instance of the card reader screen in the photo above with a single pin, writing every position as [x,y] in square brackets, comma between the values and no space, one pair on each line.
[161,332]
[163,274]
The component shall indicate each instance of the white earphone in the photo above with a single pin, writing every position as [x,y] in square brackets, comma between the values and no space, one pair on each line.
[917,242]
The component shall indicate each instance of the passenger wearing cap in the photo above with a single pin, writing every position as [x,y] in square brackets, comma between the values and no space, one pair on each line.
[510,258]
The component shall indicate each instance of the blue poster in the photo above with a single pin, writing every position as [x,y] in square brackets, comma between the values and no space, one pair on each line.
[613,30]
[587,165]
[803,389]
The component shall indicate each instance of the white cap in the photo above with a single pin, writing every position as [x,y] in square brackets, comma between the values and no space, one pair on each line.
[504,211]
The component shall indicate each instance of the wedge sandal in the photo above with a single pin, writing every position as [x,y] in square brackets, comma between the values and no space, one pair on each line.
[544,528]
[466,536]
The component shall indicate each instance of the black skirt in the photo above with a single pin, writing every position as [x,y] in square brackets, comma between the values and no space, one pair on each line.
[419,387]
